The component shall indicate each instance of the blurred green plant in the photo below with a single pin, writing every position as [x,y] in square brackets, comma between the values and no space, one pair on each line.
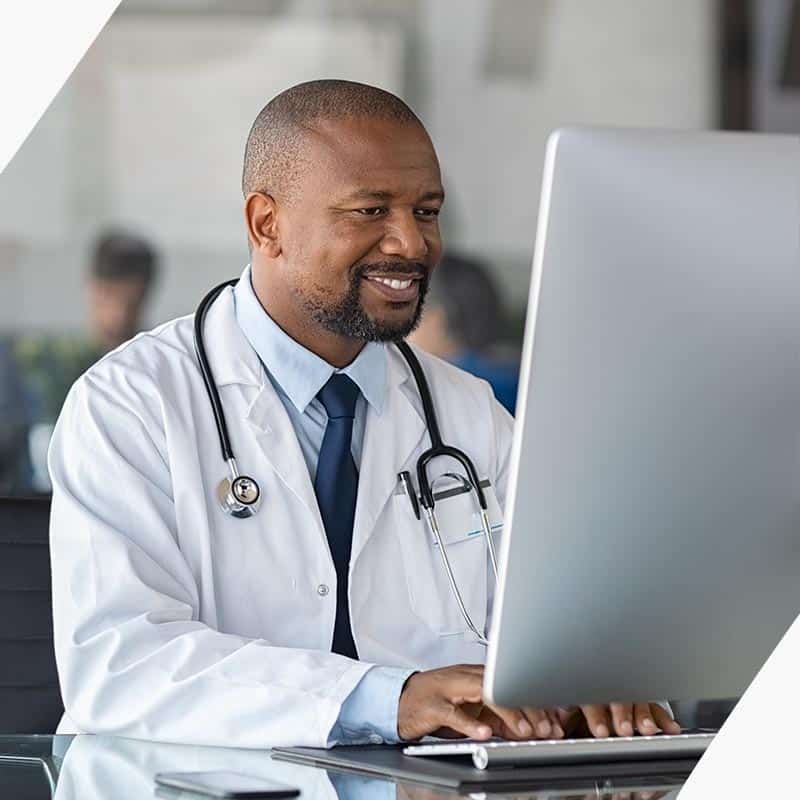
[49,365]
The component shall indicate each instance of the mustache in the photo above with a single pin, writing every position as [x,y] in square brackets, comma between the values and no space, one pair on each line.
[394,267]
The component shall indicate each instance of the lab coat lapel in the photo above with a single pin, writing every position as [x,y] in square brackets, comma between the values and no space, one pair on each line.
[391,439]
[276,437]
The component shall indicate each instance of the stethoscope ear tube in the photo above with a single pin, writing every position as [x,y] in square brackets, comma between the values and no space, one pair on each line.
[439,448]
[433,524]
[426,493]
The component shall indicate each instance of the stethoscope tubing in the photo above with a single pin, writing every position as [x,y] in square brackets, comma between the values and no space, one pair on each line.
[208,376]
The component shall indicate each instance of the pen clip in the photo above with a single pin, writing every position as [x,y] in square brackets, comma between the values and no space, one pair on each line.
[405,479]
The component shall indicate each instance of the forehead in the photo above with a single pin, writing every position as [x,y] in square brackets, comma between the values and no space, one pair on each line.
[349,154]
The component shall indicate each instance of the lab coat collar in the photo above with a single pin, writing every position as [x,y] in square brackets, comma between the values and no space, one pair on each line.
[232,359]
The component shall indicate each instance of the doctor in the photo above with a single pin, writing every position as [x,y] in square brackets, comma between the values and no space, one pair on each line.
[326,616]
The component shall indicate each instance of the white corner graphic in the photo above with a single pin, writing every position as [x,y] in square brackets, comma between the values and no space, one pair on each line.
[41,43]
[755,752]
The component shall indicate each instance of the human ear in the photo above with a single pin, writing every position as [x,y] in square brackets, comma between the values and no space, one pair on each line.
[260,216]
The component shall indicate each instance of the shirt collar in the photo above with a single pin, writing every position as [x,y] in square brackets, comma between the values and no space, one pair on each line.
[299,372]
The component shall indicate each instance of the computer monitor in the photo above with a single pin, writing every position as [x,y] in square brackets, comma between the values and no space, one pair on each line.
[652,540]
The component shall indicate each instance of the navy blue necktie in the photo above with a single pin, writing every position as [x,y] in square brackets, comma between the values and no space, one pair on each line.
[336,487]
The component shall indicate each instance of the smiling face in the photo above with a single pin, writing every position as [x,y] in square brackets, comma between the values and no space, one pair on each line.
[347,258]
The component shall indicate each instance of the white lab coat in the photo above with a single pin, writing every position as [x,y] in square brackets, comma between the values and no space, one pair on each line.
[175,622]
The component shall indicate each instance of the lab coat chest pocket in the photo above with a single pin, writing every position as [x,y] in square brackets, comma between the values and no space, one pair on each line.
[431,596]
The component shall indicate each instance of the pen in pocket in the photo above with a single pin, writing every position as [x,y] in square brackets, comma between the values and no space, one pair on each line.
[405,479]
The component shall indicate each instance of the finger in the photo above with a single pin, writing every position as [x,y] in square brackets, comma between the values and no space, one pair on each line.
[643,719]
[515,721]
[499,728]
[664,721]
[622,718]
[555,724]
[597,720]
[460,721]
[540,721]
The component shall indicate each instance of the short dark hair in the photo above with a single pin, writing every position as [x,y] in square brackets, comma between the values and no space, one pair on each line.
[463,287]
[273,157]
[122,256]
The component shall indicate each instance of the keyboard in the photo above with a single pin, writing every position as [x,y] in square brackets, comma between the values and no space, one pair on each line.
[496,752]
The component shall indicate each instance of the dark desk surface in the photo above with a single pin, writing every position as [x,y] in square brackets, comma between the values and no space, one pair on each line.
[112,768]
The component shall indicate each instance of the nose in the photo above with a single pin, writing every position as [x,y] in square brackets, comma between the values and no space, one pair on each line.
[404,238]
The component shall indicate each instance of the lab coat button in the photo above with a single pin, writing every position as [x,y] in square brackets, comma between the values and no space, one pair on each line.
[322,589]
[375,739]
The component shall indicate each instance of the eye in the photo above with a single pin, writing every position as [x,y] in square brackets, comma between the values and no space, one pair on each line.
[427,213]
[374,211]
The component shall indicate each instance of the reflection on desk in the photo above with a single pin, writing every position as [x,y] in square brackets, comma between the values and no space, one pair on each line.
[113,768]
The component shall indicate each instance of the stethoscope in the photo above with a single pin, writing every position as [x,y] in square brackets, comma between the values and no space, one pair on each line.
[240,495]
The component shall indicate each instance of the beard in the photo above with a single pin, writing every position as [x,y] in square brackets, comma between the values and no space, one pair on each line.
[347,316]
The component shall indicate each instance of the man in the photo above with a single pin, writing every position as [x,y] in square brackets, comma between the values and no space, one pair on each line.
[324,617]
[120,281]
[120,277]
[462,322]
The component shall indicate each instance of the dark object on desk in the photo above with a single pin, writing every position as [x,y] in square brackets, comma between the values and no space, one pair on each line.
[219,783]
[30,700]
[385,761]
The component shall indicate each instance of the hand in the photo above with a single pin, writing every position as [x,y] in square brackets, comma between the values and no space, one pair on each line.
[621,719]
[449,702]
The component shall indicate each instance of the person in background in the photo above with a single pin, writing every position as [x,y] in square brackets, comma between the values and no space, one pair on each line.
[121,274]
[462,322]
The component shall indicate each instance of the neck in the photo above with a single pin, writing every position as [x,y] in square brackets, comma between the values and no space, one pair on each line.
[337,350]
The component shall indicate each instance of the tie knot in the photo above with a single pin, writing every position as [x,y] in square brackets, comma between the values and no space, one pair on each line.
[338,396]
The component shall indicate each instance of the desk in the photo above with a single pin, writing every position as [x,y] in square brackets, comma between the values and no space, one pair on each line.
[112,768]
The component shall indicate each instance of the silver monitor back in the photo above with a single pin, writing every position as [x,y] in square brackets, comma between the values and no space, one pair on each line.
[652,542]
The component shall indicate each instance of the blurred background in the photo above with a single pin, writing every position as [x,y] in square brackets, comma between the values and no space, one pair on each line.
[123,206]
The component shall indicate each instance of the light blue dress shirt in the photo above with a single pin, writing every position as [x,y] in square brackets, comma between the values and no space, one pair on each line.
[370,712]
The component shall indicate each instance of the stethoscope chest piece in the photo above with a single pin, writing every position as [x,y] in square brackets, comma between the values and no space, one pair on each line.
[240,497]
